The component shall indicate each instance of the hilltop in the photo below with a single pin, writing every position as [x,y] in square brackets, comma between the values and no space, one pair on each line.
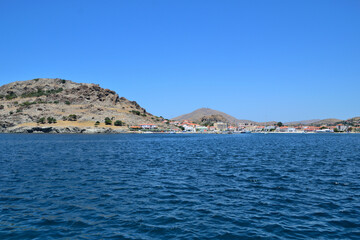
[75,107]
[199,114]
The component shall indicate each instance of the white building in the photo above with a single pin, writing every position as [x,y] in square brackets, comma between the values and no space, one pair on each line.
[341,128]
[189,128]
[148,126]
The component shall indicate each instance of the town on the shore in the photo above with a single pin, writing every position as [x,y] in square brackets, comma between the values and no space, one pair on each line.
[187,126]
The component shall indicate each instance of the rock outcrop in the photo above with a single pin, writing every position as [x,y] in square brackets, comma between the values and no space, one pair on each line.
[211,119]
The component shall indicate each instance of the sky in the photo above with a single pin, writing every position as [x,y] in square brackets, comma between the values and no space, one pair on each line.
[259,60]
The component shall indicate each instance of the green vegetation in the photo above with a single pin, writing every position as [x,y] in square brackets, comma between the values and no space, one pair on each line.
[26,104]
[41,92]
[11,96]
[56,102]
[41,120]
[108,121]
[279,124]
[51,120]
[336,130]
[119,123]
[36,79]
[11,112]
[1,107]
[67,102]
[97,123]
[63,81]
[19,110]
[135,112]
[71,117]
[206,124]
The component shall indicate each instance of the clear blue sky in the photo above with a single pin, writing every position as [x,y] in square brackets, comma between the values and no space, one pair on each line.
[259,60]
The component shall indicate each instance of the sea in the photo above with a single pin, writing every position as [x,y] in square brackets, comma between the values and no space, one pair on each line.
[180,186]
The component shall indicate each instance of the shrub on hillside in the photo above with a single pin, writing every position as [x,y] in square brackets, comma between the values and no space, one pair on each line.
[51,120]
[119,123]
[41,92]
[41,120]
[11,96]
[135,112]
[108,121]
[72,117]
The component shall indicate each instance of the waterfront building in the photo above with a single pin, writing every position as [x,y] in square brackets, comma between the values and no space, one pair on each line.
[148,126]
[220,126]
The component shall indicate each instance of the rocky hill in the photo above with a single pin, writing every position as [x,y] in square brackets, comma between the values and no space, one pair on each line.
[30,104]
[197,116]
[211,119]
[302,122]
[355,121]
[327,122]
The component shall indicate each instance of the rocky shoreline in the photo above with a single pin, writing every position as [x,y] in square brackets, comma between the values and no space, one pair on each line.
[62,130]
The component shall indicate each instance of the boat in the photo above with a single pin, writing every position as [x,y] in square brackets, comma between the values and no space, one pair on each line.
[245,132]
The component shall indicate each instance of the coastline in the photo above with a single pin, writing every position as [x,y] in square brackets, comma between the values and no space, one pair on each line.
[36,129]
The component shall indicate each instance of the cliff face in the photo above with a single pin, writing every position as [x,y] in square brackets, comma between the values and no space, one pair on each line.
[26,102]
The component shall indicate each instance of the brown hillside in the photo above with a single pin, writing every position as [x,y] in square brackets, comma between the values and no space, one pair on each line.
[28,101]
[198,114]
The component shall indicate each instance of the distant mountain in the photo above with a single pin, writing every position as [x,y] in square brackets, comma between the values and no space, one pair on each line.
[270,123]
[328,121]
[355,121]
[302,122]
[199,114]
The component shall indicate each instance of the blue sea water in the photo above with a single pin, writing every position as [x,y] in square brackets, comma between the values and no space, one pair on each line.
[193,186]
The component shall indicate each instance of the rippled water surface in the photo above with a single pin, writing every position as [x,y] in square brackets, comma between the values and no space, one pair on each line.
[150,186]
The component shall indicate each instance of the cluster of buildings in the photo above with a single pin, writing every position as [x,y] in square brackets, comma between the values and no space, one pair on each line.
[145,126]
[220,127]
[306,129]
[189,126]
